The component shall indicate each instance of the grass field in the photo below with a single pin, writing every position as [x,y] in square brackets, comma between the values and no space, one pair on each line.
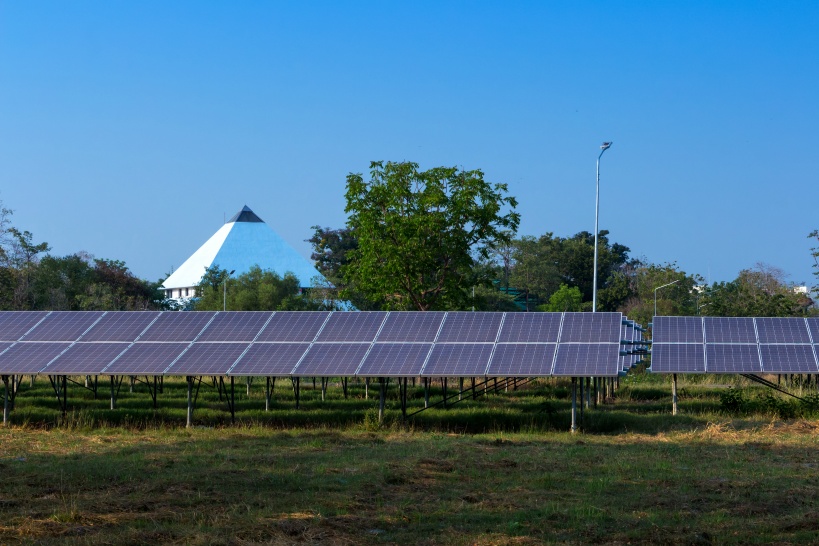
[736,466]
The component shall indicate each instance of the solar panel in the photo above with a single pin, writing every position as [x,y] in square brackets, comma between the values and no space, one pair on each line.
[522,360]
[813,326]
[332,359]
[677,358]
[596,360]
[120,326]
[178,326]
[207,359]
[13,324]
[467,327]
[293,326]
[395,360]
[530,327]
[235,326]
[270,359]
[146,359]
[729,330]
[677,330]
[788,359]
[5,345]
[352,326]
[729,358]
[411,326]
[458,359]
[63,326]
[85,358]
[782,330]
[591,328]
[29,358]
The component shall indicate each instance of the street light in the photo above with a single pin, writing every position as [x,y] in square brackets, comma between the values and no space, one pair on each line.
[603,147]
[224,290]
[655,294]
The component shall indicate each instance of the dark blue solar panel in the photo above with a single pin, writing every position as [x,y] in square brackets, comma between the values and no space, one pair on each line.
[677,330]
[732,359]
[522,359]
[458,359]
[293,326]
[352,326]
[677,358]
[207,359]
[29,358]
[13,324]
[146,359]
[120,326]
[4,346]
[411,326]
[332,359]
[530,327]
[813,325]
[729,330]
[596,360]
[85,359]
[63,326]
[466,327]
[395,360]
[788,359]
[235,326]
[782,330]
[591,328]
[270,359]
[177,326]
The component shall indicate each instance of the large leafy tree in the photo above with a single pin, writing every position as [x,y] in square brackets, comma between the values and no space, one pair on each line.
[681,296]
[757,292]
[257,290]
[419,233]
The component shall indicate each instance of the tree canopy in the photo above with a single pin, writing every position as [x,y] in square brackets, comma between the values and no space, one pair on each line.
[256,290]
[419,233]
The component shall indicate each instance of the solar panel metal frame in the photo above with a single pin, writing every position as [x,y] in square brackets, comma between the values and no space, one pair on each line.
[112,327]
[352,327]
[524,351]
[782,330]
[570,362]
[178,326]
[677,330]
[398,327]
[473,327]
[153,358]
[803,356]
[250,364]
[348,355]
[86,358]
[381,360]
[15,324]
[64,326]
[31,357]
[293,327]
[454,365]
[209,359]
[665,358]
[547,330]
[744,357]
[244,326]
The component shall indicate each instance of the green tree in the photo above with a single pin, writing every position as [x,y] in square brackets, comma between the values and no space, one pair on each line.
[564,299]
[256,290]
[419,233]
[757,292]
[680,298]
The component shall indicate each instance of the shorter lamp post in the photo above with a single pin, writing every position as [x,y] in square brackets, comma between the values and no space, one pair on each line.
[655,294]
[224,290]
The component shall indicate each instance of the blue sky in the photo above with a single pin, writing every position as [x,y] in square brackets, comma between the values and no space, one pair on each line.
[131,129]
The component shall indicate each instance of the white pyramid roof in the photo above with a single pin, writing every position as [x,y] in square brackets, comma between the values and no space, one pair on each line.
[240,244]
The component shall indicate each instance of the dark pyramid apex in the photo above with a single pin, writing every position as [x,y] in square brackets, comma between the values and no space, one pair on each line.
[246,215]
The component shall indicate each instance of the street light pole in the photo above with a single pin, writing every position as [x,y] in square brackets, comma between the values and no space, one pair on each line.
[224,290]
[655,294]
[603,147]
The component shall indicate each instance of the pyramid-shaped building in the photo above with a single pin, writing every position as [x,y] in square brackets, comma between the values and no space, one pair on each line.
[244,241]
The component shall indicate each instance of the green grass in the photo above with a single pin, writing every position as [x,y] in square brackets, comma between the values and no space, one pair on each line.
[498,470]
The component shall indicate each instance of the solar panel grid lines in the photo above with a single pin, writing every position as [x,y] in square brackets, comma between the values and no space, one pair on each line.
[178,326]
[559,335]
[82,358]
[293,326]
[120,326]
[331,359]
[235,326]
[677,330]
[678,357]
[408,326]
[470,327]
[729,330]
[352,326]
[458,359]
[269,359]
[4,346]
[380,328]
[394,359]
[790,358]
[587,360]
[149,358]
[782,330]
[16,324]
[530,327]
[207,359]
[30,357]
[591,327]
[495,344]
[733,358]
[813,329]
[63,326]
[521,360]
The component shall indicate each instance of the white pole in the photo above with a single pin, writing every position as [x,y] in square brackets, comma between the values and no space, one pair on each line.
[605,146]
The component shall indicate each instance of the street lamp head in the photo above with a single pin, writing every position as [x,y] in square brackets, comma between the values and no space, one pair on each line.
[605,146]
[232,272]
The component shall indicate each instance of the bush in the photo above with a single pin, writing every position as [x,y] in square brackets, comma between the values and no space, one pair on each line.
[732,400]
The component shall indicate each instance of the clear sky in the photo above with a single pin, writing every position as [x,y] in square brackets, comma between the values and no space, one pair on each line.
[131,129]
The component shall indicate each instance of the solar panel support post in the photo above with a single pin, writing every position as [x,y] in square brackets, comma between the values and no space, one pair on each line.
[296,388]
[673,394]
[232,401]
[366,388]
[404,399]
[344,386]
[460,387]
[267,394]
[113,399]
[443,386]
[582,399]
[249,381]
[6,408]
[574,405]
[426,392]
[588,392]
[474,394]
[189,422]
[324,382]
[382,395]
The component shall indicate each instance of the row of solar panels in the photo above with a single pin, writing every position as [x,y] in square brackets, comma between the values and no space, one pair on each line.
[735,345]
[311,343]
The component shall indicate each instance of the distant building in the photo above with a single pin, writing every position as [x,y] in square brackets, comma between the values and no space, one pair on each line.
[244,241]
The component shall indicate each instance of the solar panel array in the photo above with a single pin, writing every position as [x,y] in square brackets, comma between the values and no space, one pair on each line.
[735,345]
[304,343]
